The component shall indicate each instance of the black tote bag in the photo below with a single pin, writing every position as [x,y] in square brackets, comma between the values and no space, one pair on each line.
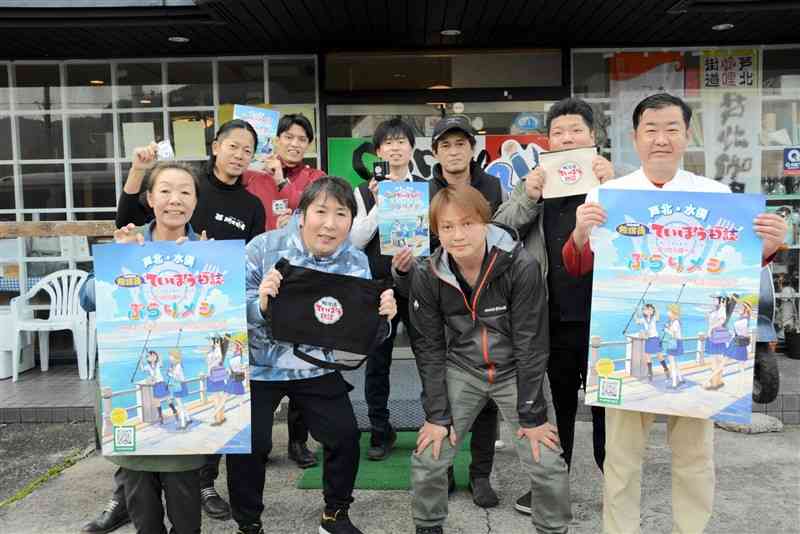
[332,311]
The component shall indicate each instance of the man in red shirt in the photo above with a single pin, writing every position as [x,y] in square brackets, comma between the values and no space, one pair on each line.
[279,188]
[285,174]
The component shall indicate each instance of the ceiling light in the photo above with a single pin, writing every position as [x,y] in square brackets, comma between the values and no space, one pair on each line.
[145,101]
[178,39]
[722,27]
[450,33]
[399,75]
[440,86]
[96,82]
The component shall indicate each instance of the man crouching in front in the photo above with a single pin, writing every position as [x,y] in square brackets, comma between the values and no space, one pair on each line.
[479,305]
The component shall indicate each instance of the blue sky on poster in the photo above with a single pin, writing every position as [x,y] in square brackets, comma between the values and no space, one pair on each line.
[710,234]
[222,304]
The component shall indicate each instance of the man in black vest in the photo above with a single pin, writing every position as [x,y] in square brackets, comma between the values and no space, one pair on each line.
[544,226]
[394,141]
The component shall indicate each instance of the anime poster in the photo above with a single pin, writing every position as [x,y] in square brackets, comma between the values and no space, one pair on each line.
[403,217]
[675,303]
[265,123]
[511,157]
[172,337]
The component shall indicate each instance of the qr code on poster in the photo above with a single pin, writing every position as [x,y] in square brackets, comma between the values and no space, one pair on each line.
[609,390]
[124,439]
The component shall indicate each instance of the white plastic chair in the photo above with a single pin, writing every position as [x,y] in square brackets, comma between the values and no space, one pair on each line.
[65,314]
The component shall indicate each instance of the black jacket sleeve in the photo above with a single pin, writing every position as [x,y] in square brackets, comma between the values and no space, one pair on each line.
[430,346]
[259,220]
[130,210]
[530,338]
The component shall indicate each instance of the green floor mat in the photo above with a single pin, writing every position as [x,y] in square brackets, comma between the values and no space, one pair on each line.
[393,473]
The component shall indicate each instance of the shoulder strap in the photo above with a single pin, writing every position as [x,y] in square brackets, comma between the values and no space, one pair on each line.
[336,366]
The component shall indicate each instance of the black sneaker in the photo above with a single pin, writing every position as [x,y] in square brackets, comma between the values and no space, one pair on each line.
[482,493]
[214,505]
[110,519]
[299,454]
[381,445]
[430,530]
[523,504]
[337,522]
[255,528]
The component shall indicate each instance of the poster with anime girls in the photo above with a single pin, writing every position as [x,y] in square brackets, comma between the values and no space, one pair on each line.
[675,303]
[172,340]
[403,217]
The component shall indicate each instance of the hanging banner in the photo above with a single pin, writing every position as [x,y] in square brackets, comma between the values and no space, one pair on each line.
[172,340]
[730,88]
[675,303]
[634,76]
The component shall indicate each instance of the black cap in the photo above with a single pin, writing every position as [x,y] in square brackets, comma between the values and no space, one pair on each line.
[448,124]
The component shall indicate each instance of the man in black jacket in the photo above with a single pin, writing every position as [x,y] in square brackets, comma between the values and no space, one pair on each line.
[480,309]
[453,145]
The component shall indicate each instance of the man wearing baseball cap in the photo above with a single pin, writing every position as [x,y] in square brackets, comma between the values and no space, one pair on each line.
[453,146]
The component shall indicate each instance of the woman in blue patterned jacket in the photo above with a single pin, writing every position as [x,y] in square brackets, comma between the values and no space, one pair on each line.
[316,238]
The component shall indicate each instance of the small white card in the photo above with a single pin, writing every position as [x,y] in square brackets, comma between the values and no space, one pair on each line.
[165,151]
[569,172]
[279,206]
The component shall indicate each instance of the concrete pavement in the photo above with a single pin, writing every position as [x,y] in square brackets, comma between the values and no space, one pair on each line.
[758,491]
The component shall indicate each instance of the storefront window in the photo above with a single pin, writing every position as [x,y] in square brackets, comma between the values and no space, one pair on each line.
[43,186]
[41,136]
[241,82]
[189,83]
[89,86]
[108,109]
[4,96]
[5,138]
[7,188]
[192,133]
[139,129]
[745,102]
[292,81]
[93,185]
[38,87]
[139,85]
[91,136]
